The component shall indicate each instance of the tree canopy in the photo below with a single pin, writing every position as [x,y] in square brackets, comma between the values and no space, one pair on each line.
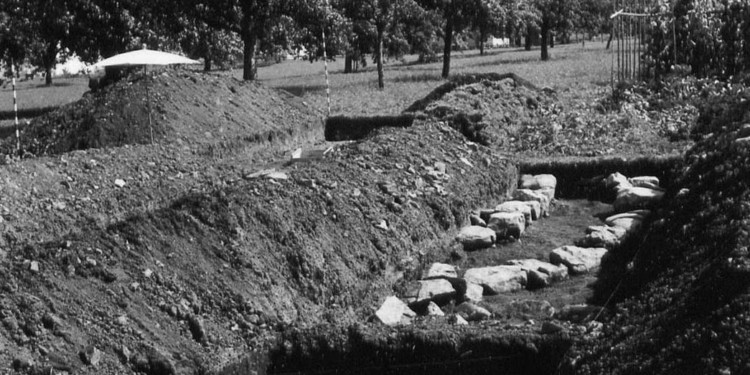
[45,32]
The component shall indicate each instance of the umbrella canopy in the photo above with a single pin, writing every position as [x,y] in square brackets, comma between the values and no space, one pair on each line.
[143,57]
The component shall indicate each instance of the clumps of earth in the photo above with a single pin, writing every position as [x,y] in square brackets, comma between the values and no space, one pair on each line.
[211,113]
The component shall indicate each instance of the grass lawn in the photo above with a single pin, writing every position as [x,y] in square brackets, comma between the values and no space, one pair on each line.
[577,73]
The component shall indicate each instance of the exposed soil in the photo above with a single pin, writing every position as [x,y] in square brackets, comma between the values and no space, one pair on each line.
[179,257]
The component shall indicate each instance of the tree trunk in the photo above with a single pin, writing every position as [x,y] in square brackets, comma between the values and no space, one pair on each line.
[348,63]
[49,59]
[249,38]
[529,31]
[482,38]
[545,37]
[448,39]
[379,54]
[207,63]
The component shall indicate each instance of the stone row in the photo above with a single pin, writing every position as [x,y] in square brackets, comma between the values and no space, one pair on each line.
[509,219]
[441,284]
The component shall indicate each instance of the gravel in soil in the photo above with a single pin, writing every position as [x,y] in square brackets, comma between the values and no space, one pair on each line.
[186,253]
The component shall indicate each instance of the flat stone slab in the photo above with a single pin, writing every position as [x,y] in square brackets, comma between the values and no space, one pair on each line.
[636,197]
[497,279]
[476,237]
[440,271]
[578,260]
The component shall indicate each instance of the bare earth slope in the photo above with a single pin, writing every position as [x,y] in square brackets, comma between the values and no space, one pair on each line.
[167,258]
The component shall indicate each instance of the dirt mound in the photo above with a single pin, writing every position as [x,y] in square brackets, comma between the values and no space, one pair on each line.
[187,268]
[488,109]
[203,111]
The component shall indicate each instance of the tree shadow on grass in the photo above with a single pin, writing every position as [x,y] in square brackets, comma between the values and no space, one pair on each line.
[26,113]
[301,90]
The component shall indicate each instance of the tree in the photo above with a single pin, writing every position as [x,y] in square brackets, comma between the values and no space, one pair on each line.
[489,20]
[250,19]
[12,39]
[456,15]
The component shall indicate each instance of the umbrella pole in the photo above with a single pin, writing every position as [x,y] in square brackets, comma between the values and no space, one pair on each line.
[148,103]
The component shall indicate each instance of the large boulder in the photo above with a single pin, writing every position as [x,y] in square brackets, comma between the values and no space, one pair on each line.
[636,197]
[439,291]
[629,221]
[475,237]
[546,181]
[516,206]
[392,311]
[497,279]
[578,260]
[528,195]
[507,224]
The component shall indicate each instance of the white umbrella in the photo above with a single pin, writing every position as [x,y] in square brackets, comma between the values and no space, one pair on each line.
[145,57]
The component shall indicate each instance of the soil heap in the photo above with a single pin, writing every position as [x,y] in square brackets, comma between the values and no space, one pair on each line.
[204,111]
[178,257]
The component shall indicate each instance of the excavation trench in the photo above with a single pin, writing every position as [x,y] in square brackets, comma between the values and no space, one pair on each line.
[511,342]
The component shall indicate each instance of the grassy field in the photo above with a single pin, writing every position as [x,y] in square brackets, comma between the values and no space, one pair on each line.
[577,73]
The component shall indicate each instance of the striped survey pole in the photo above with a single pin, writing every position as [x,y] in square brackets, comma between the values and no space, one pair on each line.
[325,62]
[15,107]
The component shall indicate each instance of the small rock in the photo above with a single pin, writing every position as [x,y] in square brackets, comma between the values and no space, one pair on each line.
[577,313]
[91,356]
[434,310]
[120,183]
[197,328]
[472,312]
[440,167]
[475,220]
[382,225]
[551,327]
[391,311]
[456,319]
[122,320]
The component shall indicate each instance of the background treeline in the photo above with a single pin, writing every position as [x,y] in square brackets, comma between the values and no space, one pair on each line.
[229,33]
